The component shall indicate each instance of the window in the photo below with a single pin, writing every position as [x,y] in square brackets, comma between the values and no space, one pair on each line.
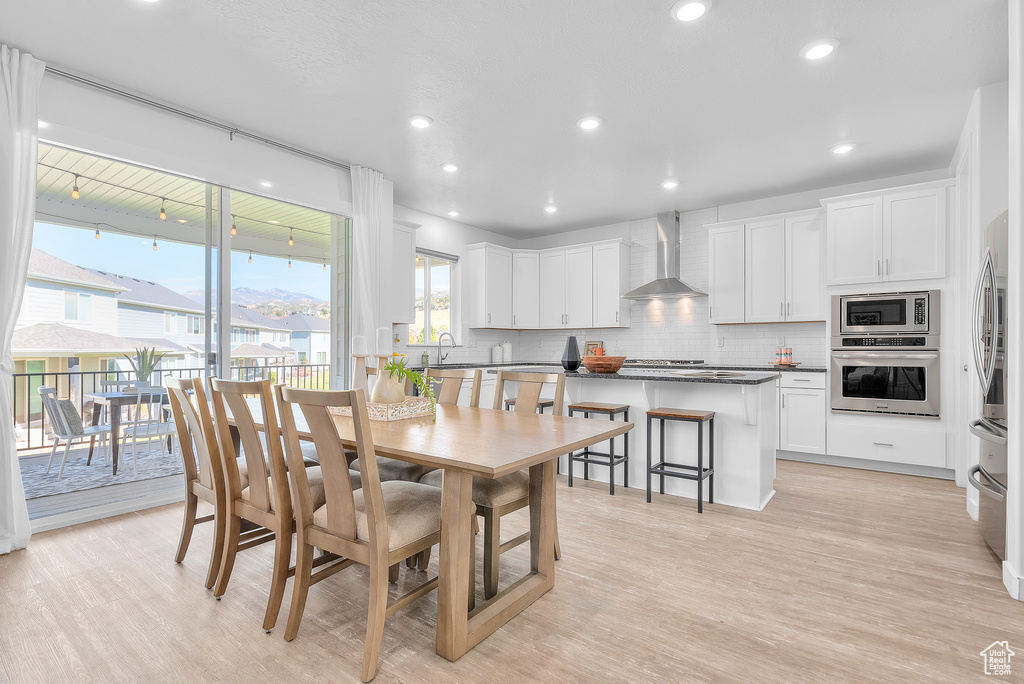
[433,307]
[196,325]
[170,323]
[321,357]
[77,306]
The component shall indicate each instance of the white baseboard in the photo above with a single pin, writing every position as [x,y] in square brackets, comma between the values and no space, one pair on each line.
[1013,582]
[54,522]
[867,464]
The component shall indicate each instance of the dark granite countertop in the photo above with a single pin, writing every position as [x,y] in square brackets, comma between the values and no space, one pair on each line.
[660,374]
[420,366]
[555,366]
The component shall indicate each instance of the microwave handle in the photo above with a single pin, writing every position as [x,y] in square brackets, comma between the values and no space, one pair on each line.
[883,355]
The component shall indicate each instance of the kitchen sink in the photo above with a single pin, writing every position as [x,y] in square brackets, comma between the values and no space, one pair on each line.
[712,374]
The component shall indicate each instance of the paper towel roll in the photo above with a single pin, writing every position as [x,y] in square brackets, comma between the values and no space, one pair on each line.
[506,352]
[496,354]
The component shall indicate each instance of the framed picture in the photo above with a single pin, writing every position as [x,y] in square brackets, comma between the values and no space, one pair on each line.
[591,348]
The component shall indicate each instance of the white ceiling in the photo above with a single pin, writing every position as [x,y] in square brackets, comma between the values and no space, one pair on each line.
[724,104]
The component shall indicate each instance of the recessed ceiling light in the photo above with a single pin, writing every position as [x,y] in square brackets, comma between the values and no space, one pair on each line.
[453,213]
[274,222]
[843,148]
[819,49]
[589,123]
[151,0]
[420,121]
[551,208]
[266,184]
[182,220]
[450,167]
[44,124]
[669,184]
[688,10]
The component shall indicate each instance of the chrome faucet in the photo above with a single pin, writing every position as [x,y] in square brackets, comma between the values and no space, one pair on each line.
[440,359]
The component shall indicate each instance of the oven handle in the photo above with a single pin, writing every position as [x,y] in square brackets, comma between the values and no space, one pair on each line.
[988,491]
[981,429]
[885,355]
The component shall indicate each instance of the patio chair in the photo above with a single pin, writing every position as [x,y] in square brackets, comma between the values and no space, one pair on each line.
[66,424]
[149,427]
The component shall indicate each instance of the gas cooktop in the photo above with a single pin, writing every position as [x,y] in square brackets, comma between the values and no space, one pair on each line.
[663,362]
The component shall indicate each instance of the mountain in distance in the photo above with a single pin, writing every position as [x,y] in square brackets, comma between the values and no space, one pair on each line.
[274,302]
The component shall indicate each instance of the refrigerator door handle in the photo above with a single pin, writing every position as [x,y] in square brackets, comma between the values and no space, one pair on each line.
[988,491]
[993,327]
[981,429]
[976,339]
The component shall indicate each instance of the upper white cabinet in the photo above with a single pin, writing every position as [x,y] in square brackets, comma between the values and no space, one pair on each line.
[525,294]
[403,283]
[725,274]
[611,280]
[574,287]
[894,235]
[488,286]
[767,270]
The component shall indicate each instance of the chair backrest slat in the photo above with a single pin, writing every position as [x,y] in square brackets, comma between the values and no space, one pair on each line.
[197,424]
[57,423]
[337,483]
[530,387]
[451,384]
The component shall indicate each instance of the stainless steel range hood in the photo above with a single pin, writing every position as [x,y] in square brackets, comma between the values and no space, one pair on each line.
[668,285]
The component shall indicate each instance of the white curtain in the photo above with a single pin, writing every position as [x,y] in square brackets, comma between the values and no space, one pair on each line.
[20,76]
[367,210]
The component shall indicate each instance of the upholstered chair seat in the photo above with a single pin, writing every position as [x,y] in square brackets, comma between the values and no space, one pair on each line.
[413,512]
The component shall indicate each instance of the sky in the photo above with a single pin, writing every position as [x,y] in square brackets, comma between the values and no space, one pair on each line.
[177,266]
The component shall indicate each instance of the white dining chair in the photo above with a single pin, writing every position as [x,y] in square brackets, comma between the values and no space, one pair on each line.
[66,428]
[148,426]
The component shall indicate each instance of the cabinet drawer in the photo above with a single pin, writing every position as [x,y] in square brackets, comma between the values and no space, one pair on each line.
[802,380]
[886,443]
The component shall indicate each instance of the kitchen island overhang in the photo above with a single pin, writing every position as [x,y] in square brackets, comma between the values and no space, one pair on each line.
[746,426]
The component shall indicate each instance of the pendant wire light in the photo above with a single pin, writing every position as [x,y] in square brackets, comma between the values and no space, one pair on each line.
[75,194]
[163,214]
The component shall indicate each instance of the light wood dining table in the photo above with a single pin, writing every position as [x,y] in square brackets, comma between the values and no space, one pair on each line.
[473,442]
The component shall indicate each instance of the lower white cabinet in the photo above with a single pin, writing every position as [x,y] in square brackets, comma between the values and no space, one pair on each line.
[803,412]
[890,443]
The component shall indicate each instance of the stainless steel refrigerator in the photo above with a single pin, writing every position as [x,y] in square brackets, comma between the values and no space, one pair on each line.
[989,475]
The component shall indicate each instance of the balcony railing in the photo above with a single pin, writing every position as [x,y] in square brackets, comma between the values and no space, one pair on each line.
[32,425]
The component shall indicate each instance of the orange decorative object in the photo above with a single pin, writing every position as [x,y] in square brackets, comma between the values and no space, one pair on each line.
[599,351]
[603,364]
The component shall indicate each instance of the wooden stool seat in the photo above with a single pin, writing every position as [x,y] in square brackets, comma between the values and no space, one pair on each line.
[541,403]
[682,414]
[598,407]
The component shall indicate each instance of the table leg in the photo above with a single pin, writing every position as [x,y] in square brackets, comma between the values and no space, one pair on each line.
[97,408]
[115,432]
[542,521]
[453,586]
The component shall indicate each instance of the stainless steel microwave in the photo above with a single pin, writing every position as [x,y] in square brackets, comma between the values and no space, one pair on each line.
[886,314]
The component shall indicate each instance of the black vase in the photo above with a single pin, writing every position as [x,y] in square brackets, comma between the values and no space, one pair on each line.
[571,355]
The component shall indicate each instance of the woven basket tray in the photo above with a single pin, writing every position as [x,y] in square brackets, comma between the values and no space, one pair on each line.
[413,407]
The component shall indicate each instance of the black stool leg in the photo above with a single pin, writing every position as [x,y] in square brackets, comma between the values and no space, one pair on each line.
[625,463]
[611,461]
[700,466]
[569,460]
[586,454]
[648,459]
[661,452]
[711,460]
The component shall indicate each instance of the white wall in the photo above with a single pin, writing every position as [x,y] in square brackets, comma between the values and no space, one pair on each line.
[44,303]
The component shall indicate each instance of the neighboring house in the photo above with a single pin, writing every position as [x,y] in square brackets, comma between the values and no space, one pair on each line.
[311,337]
[257,340]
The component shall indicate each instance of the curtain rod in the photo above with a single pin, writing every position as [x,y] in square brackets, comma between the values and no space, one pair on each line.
[231,130]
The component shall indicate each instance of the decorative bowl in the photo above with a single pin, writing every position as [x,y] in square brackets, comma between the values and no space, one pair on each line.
[603,364]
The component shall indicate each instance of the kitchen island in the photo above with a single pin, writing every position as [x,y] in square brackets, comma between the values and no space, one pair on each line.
[744,403]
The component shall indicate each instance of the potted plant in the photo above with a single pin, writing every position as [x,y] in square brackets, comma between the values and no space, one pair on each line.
[144,364]
[391,388]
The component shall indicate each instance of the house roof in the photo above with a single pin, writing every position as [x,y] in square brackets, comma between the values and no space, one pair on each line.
[147,293]
[258,351]
[44,266]
[49,339]
[243,315]
[303,322]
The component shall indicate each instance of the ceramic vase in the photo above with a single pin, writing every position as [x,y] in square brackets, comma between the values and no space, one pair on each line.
[571,355]
[387,390]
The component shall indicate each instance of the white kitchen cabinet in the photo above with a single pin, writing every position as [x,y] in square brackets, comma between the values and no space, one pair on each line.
[864,439]
[765,271]
[611,281]
[894,235]
[725,274]
[525,294]
[403,281]
[552,285]
[487,286]
[805,276]
[579,287]
[802,415]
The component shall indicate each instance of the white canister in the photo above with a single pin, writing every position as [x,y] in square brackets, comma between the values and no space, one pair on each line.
[506,354]
[496,352]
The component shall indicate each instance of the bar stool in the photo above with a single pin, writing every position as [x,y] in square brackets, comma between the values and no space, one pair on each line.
[587,456]
[698,472]
[541,404]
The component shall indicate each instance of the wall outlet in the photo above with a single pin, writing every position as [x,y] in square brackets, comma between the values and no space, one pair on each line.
[470,342]
[781,340]
[720,340]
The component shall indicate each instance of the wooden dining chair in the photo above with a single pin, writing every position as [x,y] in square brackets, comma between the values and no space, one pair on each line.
[377,526]
[265,499]
[192,419]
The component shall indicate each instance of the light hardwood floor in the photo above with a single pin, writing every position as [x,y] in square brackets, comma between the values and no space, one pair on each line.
[847,576]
